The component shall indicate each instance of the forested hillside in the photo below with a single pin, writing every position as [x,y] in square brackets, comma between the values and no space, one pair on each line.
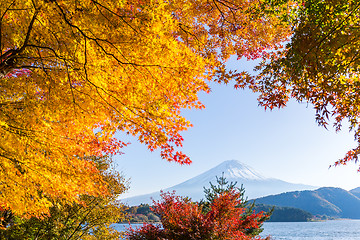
[333,202]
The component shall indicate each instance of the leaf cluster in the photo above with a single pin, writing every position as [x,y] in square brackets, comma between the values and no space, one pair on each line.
[90,219]
[318,66]
[72,73]
[225,216]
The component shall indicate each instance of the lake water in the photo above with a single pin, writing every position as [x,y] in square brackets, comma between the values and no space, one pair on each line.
[327,230]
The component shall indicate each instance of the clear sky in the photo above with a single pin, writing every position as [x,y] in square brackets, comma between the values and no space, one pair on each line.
[286,144]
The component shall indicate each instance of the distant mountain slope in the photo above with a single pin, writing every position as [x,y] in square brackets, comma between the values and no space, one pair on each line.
[254,183]
[334,202]
[356,191]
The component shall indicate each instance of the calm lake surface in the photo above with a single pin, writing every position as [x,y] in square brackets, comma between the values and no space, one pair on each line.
[328,230]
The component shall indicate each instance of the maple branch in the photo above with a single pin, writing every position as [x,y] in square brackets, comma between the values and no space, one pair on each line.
[17,130]
[109,10]
[5,55]
[232,9]
[16,162]
[7,60]
[1,19]
[82,221]
[46,48]
[96,40]
[221,13]
[235,7]
[336,27]
[190,33]
[71,87]
[30,27]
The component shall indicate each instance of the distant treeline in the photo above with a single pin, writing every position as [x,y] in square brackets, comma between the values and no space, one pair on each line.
[285,214]
[143,213]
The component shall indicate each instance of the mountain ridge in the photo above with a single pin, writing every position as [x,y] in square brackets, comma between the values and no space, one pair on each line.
[255,184]
[329,201]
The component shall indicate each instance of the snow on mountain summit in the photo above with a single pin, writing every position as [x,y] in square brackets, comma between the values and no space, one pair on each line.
[237,169]
[233,170]
[254,183]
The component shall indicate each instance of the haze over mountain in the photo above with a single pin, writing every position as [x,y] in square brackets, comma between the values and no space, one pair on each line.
[255,184]
[330,201]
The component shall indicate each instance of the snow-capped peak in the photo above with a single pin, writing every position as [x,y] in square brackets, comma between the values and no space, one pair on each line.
[237,169]
[254,183]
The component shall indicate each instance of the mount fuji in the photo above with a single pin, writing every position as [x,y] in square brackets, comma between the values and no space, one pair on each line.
[255,184]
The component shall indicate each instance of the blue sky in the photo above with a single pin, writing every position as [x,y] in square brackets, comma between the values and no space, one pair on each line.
[286,144]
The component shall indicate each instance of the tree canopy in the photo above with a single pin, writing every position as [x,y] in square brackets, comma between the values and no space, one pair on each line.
[91,219]
[72,73]
[319,65]
[224,214]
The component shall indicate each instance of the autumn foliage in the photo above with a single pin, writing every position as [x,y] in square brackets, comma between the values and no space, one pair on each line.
[319,65]
[226,216]
[72,73]
[92,219]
